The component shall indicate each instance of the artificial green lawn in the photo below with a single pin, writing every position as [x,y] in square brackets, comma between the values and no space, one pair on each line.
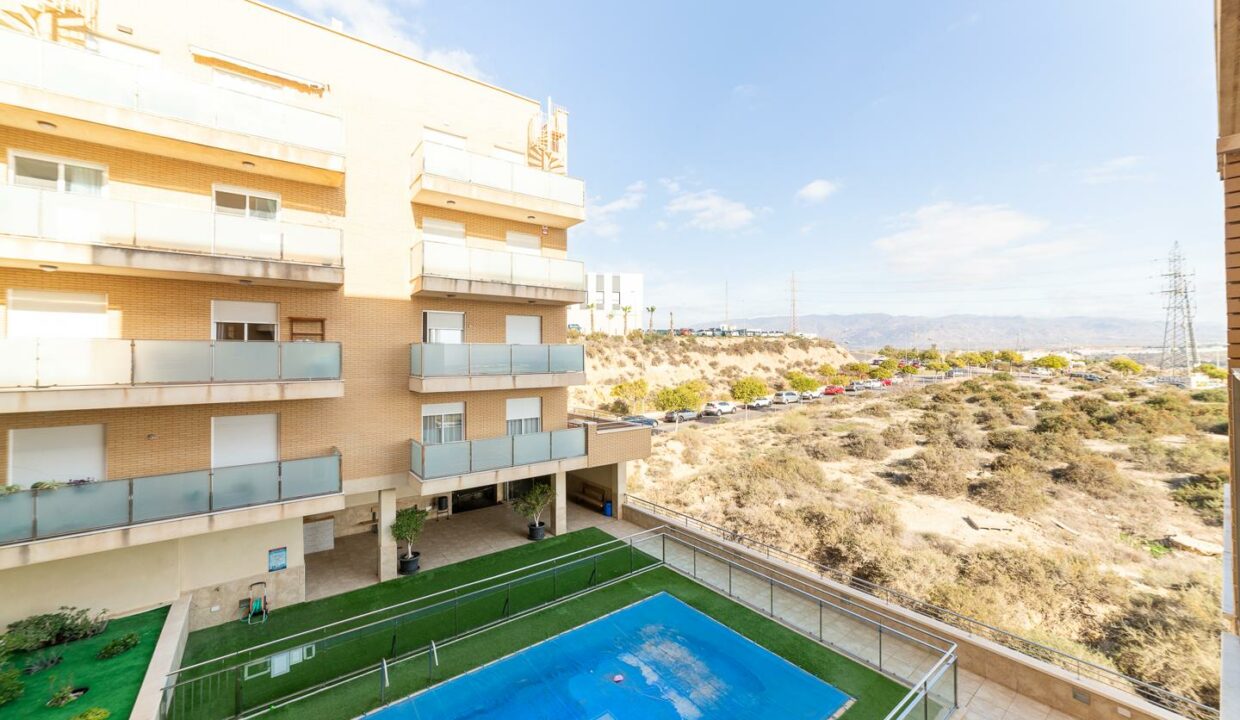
[113,682]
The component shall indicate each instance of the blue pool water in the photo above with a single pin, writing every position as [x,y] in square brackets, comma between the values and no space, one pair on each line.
[674,662]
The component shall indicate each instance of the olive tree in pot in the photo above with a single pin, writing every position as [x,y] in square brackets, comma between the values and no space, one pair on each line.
[406,528]
[531,506]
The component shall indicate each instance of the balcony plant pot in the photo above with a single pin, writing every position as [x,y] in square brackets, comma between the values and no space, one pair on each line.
[409,565]
[531,506]
[538,531]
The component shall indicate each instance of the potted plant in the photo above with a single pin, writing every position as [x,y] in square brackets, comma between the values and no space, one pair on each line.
[531,506]
[406,529]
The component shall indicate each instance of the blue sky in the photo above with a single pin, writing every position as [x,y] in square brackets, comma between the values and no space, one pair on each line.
[918,158]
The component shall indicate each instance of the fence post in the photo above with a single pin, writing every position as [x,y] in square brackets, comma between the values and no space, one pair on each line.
[880,647]
[237,696]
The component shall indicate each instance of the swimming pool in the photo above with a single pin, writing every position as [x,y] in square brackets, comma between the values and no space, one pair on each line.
[654,660]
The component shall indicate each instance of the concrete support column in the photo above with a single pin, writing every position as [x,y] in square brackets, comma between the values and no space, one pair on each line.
[559,507]
[621,475]
[387,544]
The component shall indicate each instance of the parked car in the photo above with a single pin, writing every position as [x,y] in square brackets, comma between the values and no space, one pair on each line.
[681,415]
[641,420]
[718,407]
[856,386]
[574,327]
[808,395]
[886,381]
[1041,372]
[957,372]
[1092,377]
[833,390]
[761,402]
[874,384]
[785,397]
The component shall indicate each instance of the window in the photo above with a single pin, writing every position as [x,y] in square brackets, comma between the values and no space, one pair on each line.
[443,327]
[615,299]
[61,454]
[524,415]
[57,176]
[245,321]
[444,231]
[443,423]
[245,203]
[598,299]
[524,243]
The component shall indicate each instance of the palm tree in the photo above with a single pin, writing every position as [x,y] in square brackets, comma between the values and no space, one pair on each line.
[650,309]
[590,307]
[626,309]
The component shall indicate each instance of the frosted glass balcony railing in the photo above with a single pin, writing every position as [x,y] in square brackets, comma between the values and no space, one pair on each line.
[83,74]
[85,219]
[446,360]
[456,164]
[461,262]
[435,461]
[36,514]
[77,362]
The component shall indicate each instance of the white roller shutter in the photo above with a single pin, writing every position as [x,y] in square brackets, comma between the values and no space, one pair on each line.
[244,440]
[72,452]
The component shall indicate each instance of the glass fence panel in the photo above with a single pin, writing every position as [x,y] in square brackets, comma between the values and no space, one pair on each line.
[530,359]
[247,237]
[243,485]
[444,360]
[942,692]
[795,609]
[490,359]
[309,476]
[568,443]
[312,244]
[16,516]
[530,270]
[491,172]
[447,459]
[18,361]
[171,361]
[83,361]
[567,274]
[444,260]
[173,228]
[74,508]
[531,448]
[445,161]
[302,360]
[746,586]
[851,634]
[490,266]
[415,458]
[491,454]
[246,360]
[568,358]
[415,360]
[86,219]
[167,496]
[19,207]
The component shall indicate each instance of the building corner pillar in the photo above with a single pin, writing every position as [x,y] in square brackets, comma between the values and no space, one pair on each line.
[387,544]
[559,507]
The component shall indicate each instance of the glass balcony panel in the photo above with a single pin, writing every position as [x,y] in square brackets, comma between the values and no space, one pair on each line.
[309,360]
[172,361]
[491,454]
[75,508]
[415,360]
[447,459]
[167,496]
[445,360]
[172,228]
[247,237]
[86,219]
[566,274]
[530,270]
[568,358]
[531,448]
[490,359]
[233,487]
[309,476]
[245,361]
[19,209]
[69,362]
[568,443]
[311,244]
[70,71]
[530,359]
[491,172]
[530,181]
[19,362]
[445,161]
[489,265]
[16,516]
[415,458]
[444,260]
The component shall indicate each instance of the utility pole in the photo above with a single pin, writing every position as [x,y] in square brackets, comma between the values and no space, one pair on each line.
[1179,350]
[793,286]
[671,322]
[725,304]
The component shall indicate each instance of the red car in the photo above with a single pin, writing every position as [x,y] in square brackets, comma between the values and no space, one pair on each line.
[833,390]
[887,381]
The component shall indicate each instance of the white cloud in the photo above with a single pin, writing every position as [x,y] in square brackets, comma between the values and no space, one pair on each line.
[388,23]
[708,210]
[602,216]
[1117,169]
[968,242]
[816,191]
[744,91]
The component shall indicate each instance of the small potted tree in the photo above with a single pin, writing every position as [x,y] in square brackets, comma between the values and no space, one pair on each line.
[531,506]
[406,529]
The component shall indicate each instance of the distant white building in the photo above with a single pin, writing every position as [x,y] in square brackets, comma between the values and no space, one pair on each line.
[608,293]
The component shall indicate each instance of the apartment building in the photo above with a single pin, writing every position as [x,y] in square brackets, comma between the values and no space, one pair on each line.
[1227,47]
[263,284]
[607,295]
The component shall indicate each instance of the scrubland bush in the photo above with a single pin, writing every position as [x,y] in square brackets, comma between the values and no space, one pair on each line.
[898,436]
[862,542]
[823,449]
[1093,474]
[941,469]
[865,445]
[1014,488]
[793,423]
[1203,493]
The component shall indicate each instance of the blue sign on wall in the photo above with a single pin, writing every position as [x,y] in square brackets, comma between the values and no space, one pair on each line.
[277,559]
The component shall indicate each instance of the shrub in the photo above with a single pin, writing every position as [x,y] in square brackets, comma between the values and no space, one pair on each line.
[62,695]
[1203,493]
[865,445]
[823,449]
[1012,439]
[1013,489]
[11,686]
[793,423]
[1093,474]
[41,662]
[95,713]
[40,631]
[898,436]
[861,542]
[118,645]
[1004,376]
[1213,395]
[941,469]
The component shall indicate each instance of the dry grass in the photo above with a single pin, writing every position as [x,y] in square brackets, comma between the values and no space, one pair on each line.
[941,469]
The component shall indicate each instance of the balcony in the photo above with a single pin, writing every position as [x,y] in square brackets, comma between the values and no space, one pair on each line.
[435,367]
[121,237]
[87,96]
[485,185]
[52,374]
[29,515]
[474,463]
[448,270]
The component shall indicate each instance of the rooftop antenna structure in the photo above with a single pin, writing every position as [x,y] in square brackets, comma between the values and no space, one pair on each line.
[1179,349]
